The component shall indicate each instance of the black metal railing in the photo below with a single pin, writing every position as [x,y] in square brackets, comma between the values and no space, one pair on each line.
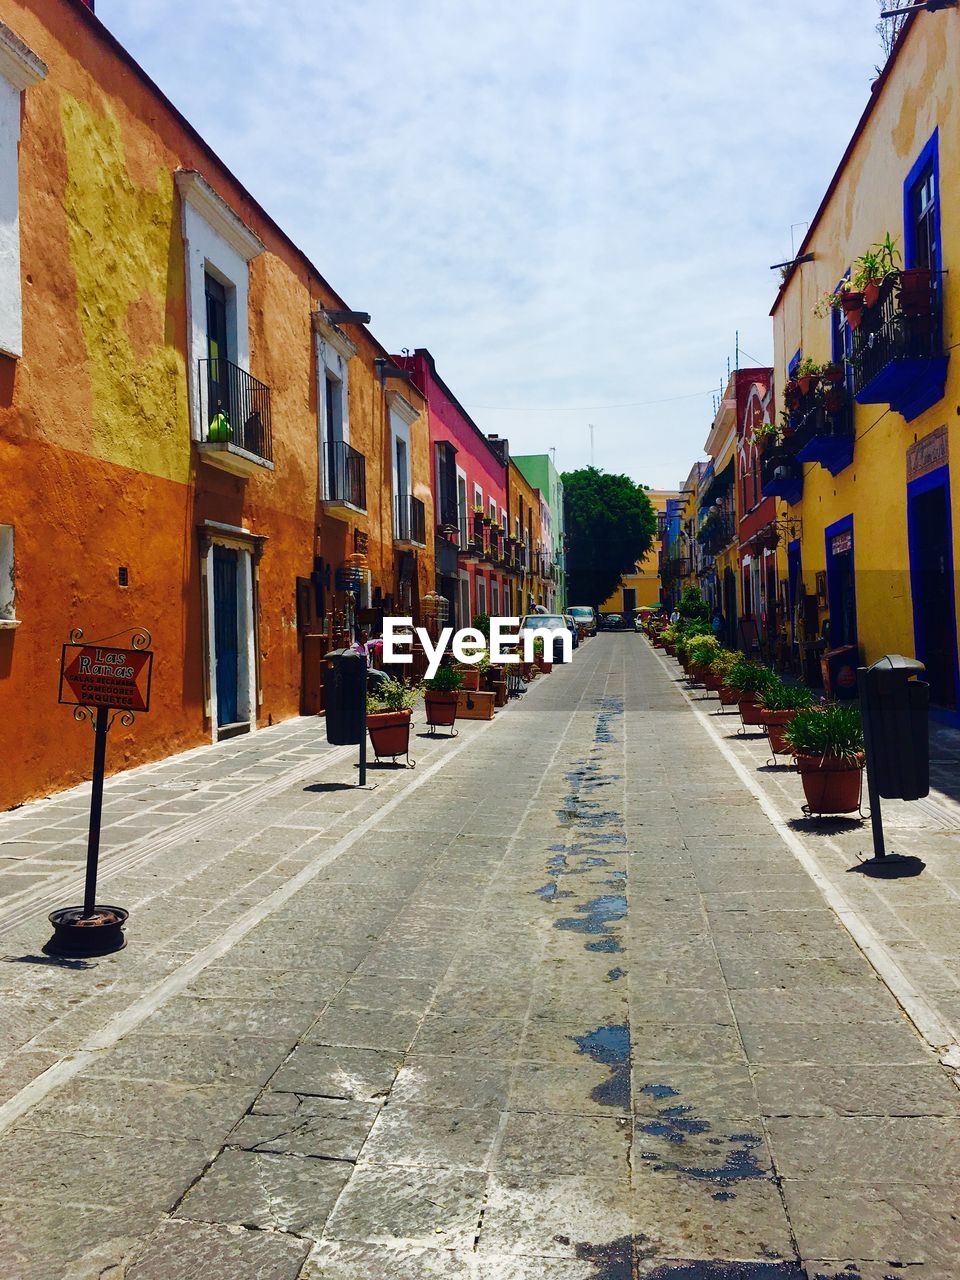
[346,474]
[820,424]
[235,408]
[902,326]
[716,534]
[411,520]
[674,567]
[781,473]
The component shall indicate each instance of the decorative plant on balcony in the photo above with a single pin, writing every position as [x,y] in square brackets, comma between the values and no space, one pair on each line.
[389,712]
[879,266]
[828,745]
[766,433]
[441,694]
[779,703]
[808,375]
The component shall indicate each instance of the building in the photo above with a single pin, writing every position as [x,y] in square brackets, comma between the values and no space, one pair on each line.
[524,504]
[197,435]
[643,587]
[867,463]
[542,474]
[474,573]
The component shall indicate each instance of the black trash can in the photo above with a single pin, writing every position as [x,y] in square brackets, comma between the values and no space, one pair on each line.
[894,706]
[345,697]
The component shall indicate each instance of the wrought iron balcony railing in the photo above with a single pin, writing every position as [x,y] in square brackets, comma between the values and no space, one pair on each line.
[781,472]
[823,436]
[346,475]
[235,408]
[716,534]
[411,520]
[898,357]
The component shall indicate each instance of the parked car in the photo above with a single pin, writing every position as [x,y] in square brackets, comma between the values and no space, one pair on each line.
[546,622]
[585,616]
[611,621]
[573,629]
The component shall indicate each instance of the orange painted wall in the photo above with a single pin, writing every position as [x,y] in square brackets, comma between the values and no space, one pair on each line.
[97,468]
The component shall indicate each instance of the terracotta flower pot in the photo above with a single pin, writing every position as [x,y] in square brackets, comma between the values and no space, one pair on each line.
[389,732]
[500,693]
[729,697]
[775,723]
[471,678]
[711,682]
[871,293]
[545,666]
[852,304]
[831,784]
[440,706]
[834,375]
[750,711]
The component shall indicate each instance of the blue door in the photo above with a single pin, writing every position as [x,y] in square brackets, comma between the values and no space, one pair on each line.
[933,584]
[225,639]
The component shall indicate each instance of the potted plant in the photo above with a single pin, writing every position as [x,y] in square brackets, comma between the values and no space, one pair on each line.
[470,676]
[828,745]
[717,668]
[440,697]
[792,395]
[539,660]
[389,713]
[851,303]
[750,679]
[779,703]
[700,650]
[834,399]
[807,375]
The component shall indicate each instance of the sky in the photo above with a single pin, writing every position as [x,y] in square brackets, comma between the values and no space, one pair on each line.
[574,206]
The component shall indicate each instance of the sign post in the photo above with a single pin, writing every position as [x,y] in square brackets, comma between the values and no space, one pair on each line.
[100,681]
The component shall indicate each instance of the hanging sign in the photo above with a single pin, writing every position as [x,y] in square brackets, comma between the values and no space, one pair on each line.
[93,675]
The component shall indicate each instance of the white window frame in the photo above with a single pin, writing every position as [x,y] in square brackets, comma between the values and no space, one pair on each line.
[8,579]
[463,513]
[492,510]
[402,417]
[334,353]
[481,595]
[494,598]
[218,242]
[19,69]
[249,547]
[477,496]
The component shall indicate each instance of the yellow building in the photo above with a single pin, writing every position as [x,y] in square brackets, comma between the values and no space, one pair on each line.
[865,464]
[642,587]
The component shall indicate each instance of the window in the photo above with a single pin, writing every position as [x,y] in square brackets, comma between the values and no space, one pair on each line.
[8,578]
[462,512]
[219,248]
[338,468]
[493,511]
[447,486]
[921,214]
[478,496]
[19,68]
[481,595]
[495,598]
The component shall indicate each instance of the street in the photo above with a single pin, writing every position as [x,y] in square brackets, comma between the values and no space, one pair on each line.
[562,1002]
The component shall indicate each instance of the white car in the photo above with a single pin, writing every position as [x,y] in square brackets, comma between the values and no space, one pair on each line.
[546,622]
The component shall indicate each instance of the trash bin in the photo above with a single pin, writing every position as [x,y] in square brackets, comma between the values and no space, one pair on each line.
[345,697]
[839,670]
[894,706]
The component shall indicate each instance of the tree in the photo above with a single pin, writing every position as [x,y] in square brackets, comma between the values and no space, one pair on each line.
[889,28]
[610,524]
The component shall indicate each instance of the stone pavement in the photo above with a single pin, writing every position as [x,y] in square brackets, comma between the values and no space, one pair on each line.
[560,1004]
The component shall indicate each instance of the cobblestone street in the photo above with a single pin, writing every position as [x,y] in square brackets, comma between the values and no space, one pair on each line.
[571,1000]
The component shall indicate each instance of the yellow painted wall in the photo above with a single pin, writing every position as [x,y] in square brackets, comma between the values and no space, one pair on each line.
[920,95]
[646,580]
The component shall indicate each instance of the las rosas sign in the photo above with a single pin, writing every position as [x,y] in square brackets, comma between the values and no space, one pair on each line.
[94,675]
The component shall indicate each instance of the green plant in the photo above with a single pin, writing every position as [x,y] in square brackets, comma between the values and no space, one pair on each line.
[447,680]
[722,661]
[808,368]
[391,695]
[749,677]
[829,732]
[786,697]
[766,431]
[481,623]
[702,648]
[692,606]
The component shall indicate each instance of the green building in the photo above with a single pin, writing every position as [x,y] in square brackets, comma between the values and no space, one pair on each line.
[538,470]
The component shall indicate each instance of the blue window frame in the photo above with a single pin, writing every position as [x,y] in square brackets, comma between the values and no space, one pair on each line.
[921,211]
[841,582]
[794,364]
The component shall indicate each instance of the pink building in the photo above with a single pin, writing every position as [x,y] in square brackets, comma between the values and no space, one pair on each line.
[470,499]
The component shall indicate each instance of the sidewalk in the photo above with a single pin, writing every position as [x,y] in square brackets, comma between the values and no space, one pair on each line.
[559,1004]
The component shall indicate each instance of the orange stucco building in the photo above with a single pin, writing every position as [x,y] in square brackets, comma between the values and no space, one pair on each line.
[196,435]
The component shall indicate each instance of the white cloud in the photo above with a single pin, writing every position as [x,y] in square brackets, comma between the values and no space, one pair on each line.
[569,204]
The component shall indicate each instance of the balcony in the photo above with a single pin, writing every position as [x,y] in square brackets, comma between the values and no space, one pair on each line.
[674,568]
[716,534]
[235,417]
[898,357]
[346,493]
[411,523]
[823,430]
[781,472]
